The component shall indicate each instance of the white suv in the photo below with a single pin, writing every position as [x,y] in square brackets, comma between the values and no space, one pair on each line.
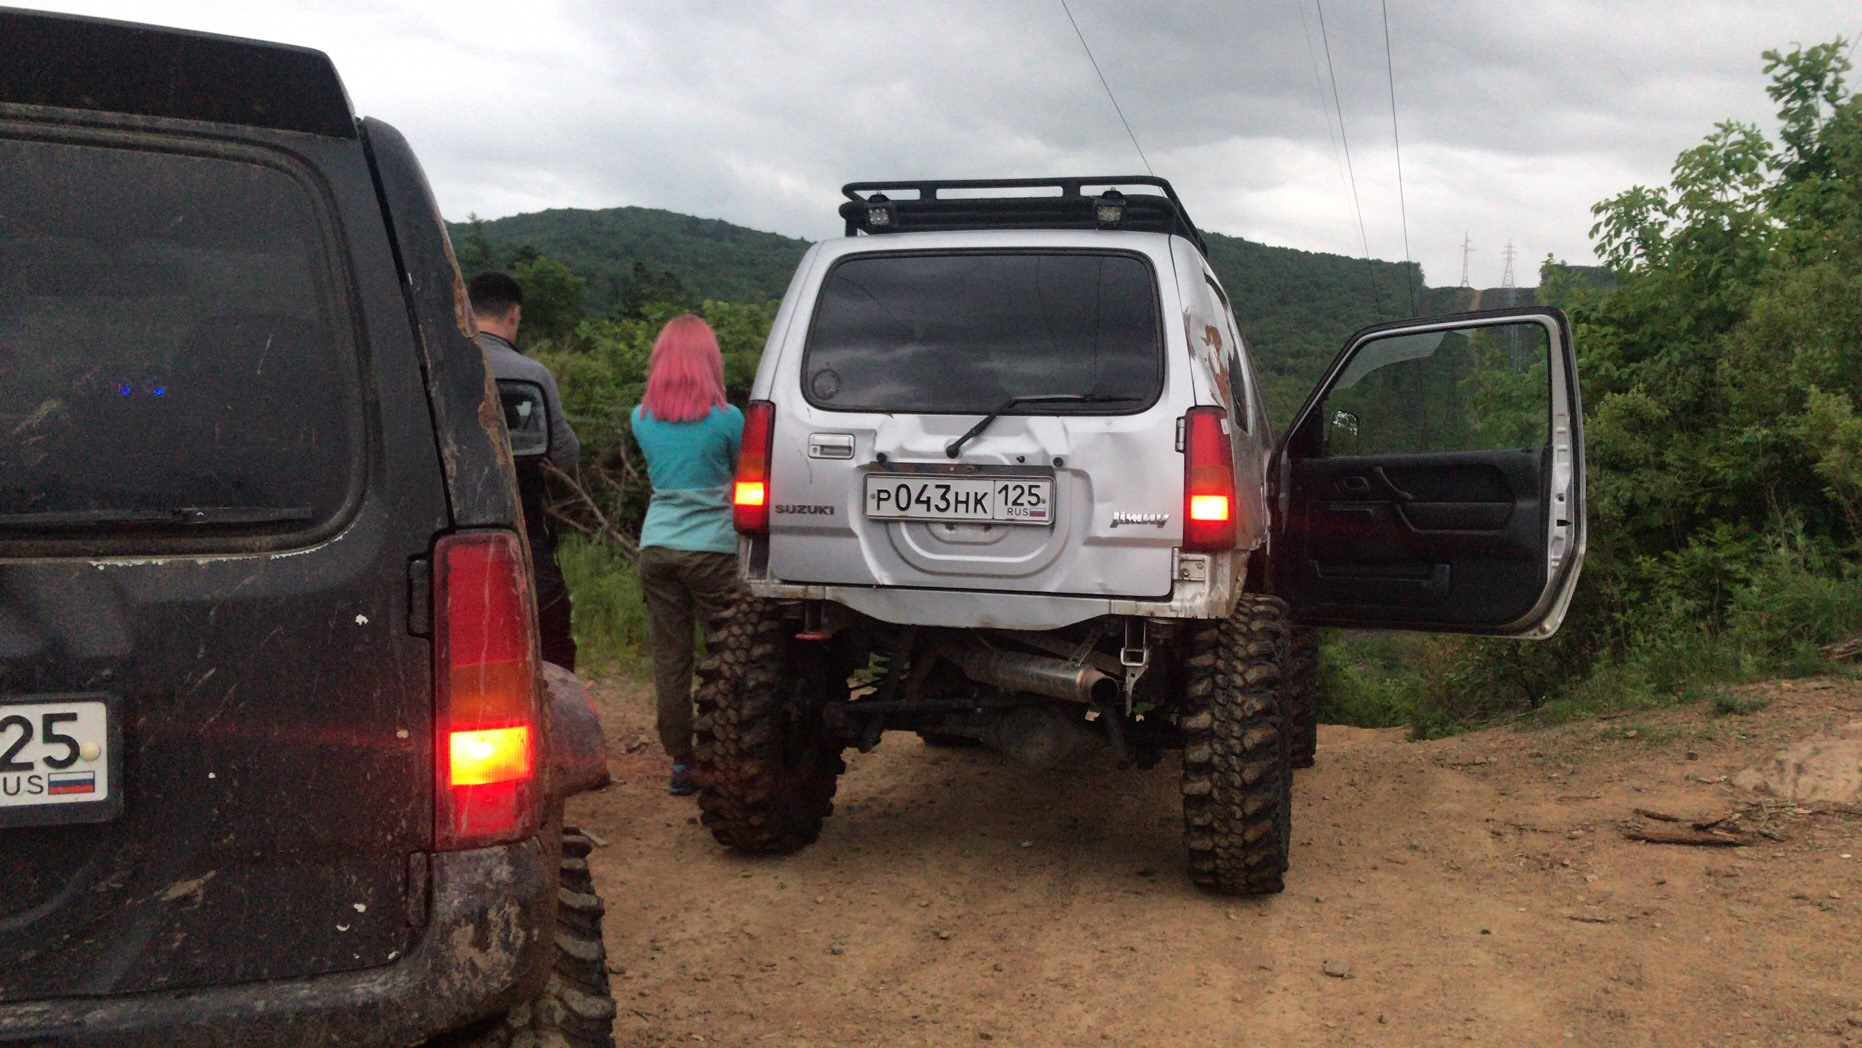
[1007,478]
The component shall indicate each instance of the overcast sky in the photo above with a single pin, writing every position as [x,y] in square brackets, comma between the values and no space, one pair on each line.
[1514,118]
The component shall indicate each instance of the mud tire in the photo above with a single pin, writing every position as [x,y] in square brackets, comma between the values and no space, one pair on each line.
[1237,780]
[576,1007]
[767,763]
[1300,695]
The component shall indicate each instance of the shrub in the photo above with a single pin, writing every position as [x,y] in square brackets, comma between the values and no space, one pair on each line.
[610,618]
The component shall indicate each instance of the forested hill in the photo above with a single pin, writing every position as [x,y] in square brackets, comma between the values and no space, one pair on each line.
[630,253]
[1295,307]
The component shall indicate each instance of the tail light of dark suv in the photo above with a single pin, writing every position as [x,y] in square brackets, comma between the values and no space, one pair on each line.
[486,702]
[750,493]
[1209,506]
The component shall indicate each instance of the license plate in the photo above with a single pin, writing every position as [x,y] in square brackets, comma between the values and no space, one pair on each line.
[59,760]
[999,500]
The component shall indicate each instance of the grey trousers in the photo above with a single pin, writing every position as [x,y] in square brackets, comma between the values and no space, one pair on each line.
[682,589]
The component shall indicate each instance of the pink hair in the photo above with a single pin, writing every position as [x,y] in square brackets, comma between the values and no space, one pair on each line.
[685,374]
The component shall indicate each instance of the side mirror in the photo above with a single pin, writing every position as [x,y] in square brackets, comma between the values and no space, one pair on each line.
[1343,439]
[526,417]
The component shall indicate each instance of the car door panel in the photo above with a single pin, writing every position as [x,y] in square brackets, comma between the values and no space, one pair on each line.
[1393,514]
[1397,534]
[1490,500]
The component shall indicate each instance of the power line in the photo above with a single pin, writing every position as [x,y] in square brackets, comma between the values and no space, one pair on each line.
[1350,170]
[1402,202]
[1108,87]
[1318,83]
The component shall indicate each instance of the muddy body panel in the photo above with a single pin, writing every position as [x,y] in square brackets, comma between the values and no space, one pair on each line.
[480,950]
[244,409]
[273,774]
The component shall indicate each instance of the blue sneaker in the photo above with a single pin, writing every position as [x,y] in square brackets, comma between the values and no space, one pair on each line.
[682,784]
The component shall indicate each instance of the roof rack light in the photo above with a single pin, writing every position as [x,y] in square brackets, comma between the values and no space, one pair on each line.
[1109,209]
[878,212]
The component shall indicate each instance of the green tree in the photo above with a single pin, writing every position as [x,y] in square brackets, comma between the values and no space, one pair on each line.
[475,251]
[645,287]
[1721,376]
[602,379]
[553,298]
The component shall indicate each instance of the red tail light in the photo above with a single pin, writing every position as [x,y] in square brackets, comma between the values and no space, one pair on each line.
[485,713]
[750,494]
[1209,509]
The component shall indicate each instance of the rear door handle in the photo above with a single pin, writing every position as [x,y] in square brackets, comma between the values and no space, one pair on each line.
[830,445]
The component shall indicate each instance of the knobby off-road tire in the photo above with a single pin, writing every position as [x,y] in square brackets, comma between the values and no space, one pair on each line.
[576,1008]
[767,764]
[1237,782]
[1300,695]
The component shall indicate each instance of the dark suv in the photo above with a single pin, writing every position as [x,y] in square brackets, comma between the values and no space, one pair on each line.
[279,763]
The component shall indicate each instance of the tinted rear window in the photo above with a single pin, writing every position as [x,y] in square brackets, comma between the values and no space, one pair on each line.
[169,343]
[963,333]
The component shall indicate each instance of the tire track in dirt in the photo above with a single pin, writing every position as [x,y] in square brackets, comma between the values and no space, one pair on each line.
[1473,890]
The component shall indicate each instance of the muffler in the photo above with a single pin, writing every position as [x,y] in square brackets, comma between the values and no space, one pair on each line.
[1036,674]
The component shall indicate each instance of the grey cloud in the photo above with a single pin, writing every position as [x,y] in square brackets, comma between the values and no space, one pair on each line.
[1514,118]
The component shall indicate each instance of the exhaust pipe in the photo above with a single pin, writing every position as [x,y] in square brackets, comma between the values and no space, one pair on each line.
[1037,675]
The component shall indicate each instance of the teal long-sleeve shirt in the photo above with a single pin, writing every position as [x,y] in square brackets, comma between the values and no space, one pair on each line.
[691,465]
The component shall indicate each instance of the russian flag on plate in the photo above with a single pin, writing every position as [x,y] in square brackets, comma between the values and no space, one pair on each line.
[60,783]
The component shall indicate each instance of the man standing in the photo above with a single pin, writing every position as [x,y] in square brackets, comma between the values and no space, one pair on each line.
[498,303]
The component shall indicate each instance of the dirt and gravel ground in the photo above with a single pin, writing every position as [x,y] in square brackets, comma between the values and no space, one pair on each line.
[1482,889]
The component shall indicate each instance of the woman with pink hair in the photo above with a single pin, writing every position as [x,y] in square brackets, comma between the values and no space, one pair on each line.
[688,547]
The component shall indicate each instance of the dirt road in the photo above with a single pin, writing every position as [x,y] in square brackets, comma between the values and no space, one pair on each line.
[1478,890]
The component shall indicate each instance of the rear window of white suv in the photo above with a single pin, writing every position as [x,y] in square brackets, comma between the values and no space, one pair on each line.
[962,333]
[176,359]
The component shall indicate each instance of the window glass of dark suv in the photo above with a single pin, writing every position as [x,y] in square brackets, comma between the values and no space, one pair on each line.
[172,366]
[961,333]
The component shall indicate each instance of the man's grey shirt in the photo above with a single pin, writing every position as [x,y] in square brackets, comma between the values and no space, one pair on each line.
[506,362]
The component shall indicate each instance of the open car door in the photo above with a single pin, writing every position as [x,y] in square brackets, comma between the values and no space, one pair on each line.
[1435,479]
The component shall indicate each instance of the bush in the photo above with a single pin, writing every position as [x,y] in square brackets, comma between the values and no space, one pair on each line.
[1725,450]
[1383,680]
[610,617]
[601,370]
[1801,601]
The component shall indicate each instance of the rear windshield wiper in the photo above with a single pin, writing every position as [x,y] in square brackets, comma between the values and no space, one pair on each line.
[951,449]
[179,516]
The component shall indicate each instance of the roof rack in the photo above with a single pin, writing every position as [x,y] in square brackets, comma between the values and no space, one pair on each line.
[1072,208]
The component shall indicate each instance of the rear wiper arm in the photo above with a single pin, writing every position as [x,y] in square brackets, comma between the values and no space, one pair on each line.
[951,449]
[179,516]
